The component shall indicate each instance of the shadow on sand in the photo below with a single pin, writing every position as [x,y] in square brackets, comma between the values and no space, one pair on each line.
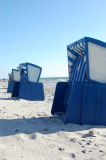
[34,125]
[3,88]
[11,98]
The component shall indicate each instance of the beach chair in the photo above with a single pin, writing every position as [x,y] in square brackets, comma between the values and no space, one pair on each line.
[82,99]
[14,76]
[29,87]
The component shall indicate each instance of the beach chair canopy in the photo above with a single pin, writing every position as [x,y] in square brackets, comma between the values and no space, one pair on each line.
[29,72]
[90,54]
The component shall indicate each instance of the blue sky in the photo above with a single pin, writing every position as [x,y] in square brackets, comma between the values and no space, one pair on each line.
[38,31]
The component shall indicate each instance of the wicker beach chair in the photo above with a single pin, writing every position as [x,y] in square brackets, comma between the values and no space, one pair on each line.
[29,87]
[82,100]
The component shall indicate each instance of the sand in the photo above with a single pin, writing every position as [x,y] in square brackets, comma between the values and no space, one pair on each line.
[28,131]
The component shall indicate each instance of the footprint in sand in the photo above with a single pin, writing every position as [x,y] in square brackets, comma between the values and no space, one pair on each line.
[33,136]
[73,140]
[73,155]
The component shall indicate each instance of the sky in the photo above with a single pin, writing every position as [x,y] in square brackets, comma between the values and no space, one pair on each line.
[38,32]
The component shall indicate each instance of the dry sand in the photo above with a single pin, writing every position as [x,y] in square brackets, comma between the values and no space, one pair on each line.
[28,131]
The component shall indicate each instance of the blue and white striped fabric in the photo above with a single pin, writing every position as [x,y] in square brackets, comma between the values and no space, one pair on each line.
[74,51]
[78,74]
[76,66]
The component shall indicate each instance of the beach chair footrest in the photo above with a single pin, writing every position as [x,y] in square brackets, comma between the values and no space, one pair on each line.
[60,115]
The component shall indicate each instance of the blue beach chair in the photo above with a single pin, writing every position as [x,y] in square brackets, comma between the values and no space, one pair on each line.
[14,76]
[80,98]
[29,87]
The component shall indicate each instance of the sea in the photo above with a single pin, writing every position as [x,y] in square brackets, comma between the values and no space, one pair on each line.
[53,79]
[47,80]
